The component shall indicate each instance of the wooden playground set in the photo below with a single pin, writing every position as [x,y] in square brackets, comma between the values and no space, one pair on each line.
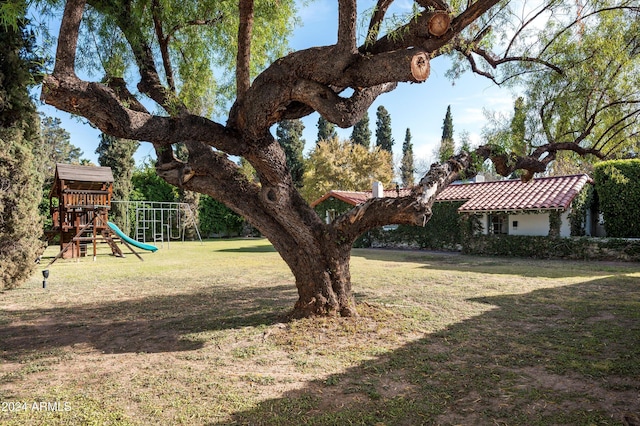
[79,202]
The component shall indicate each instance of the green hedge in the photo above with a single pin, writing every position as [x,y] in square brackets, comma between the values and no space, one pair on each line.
[582,248]
[617,184]
[217,219]
[442,232]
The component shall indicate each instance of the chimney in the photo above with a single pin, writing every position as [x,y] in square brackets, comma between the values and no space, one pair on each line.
[378,190]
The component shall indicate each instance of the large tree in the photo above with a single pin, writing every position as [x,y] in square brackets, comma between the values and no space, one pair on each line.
[340,81]
[289,134]
[384,138]
[57,142]
[118,154]
[447,145]
[326,130]
[342,165]
[585,104]
[361,133]
[406,165]
[21,153]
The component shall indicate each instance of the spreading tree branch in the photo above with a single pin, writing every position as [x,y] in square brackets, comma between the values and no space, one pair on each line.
[163,42]
[68,38]
[413,209]
[347,18]
[344,112]
[376,21]
[243,61]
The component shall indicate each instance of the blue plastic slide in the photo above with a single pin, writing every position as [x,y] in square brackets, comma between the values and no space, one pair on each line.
[131,241]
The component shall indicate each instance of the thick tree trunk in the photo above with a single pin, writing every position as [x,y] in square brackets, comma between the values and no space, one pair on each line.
[323,281]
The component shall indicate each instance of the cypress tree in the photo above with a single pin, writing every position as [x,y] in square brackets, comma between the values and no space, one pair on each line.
[447,145]
[383,129]
[518,127]
[118,154]
[289,134]
[326,130]
[406,167]
[21,155]
[361,133]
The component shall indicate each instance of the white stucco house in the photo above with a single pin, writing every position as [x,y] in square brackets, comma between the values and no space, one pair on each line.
[515,207]
[510,207]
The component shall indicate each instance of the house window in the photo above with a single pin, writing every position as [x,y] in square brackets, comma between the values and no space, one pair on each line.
[498,224]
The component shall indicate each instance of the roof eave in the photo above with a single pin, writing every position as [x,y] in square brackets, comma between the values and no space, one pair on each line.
[535,210]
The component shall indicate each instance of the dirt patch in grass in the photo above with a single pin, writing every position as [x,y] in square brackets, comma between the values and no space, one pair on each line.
[190,337]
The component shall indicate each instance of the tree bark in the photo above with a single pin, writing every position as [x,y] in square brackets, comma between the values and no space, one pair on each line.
[323,280]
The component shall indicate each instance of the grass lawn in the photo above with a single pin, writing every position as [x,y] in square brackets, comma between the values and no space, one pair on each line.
[195,335]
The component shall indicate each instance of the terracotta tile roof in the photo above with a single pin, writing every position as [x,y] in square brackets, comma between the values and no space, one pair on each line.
[358,197]
[550,193]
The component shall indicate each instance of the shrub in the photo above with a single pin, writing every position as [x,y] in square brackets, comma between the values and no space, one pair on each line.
[20,221]
[442,232]
[578,248]
[617,184]
[216,218]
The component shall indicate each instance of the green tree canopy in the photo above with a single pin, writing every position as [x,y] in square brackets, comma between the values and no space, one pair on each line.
[361,133]
[406,167]
[289,134]
[57,142]
[195,42]
[21,154]
[384,138]
[148,186]
[326,130]
[341,165]
[447,145]
[587,103]
[118,154]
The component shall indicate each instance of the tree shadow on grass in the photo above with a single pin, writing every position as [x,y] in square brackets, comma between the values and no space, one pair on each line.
[151,324]
[565,355]
[524,267]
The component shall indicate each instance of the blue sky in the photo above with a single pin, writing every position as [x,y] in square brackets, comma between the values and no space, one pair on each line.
[419,107]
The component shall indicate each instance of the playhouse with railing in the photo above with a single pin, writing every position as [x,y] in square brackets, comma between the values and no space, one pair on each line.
[79,202]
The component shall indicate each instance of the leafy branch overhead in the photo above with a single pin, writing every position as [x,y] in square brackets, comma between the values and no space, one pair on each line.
[172,48]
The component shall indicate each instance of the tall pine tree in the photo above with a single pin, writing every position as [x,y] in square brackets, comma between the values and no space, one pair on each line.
[447,145]
[289,134]
[518,127]
[361,133]
[118,154]
[57,142]
[21,155]
[326,130]
[406,167]
[383,129]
